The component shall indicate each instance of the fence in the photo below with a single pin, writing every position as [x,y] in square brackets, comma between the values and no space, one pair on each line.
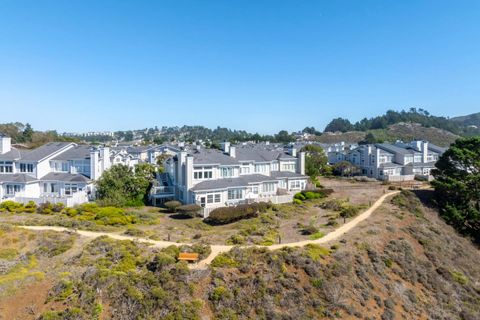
[205,212]
[69,201]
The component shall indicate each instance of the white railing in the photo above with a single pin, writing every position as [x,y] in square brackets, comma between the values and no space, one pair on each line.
[68,200]
[162,190]
[287,198]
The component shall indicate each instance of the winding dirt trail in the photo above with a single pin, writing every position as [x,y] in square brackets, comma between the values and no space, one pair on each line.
[217,249]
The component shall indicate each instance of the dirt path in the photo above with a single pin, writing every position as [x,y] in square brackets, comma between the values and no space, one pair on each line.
[217,249]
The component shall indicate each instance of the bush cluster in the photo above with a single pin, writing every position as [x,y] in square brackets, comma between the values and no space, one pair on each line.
[226,215]
[16,207]
[311,194]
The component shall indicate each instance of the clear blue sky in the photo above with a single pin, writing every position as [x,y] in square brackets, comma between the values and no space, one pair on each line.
[255,65]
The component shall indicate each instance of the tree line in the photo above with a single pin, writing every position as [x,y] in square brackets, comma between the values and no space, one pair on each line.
[413,115]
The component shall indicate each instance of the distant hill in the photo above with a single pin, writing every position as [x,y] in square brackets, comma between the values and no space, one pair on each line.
[399,131]
[468,120]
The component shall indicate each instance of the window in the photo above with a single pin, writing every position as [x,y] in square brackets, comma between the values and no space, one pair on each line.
[295,184]
[234,194]
[71,188]
[244,170]
[260,168]
[13,188]
[213,198]
[6,166]
[269,187]
[26,167]
[210,198]
[288,167]
[203,173]
[255,190]
[217,198]
[227,172]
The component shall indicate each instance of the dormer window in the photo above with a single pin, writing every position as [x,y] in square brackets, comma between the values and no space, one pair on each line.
[6,166]
[26,167]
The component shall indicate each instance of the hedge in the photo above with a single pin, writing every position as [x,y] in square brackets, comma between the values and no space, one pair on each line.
[189,209]
[226,215]
[312,194]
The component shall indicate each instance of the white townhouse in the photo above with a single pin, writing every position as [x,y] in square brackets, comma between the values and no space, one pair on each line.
[55,172]
[394,162]
[237,174]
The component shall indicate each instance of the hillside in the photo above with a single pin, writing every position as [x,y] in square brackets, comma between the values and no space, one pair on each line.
[402,263]
[468,120]
[400,131]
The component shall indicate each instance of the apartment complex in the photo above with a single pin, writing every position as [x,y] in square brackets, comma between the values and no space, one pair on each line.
[234,175]
[55,172]
[392,162]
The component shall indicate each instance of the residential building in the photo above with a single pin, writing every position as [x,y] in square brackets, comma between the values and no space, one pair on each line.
[55,172]
[393,162]
[237,174]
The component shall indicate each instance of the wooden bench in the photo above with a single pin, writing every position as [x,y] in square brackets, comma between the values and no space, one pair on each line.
[188,256]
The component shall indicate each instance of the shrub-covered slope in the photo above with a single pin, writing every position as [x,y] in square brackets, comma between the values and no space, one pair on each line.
[402,263]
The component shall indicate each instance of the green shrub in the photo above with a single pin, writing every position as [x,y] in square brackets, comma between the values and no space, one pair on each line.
[315,252]
[30,207]
[220,293]
[317,235]
[226,215]
[113,216]
[297,201]
[459,277]
[8,253]
[11,206]
[299,196]
[172,205]
[223,261]
[45,208]
[190,210]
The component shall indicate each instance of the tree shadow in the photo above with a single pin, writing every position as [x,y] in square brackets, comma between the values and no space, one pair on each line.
[426,197]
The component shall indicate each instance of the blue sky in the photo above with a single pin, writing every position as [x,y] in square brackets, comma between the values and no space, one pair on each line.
[255,65]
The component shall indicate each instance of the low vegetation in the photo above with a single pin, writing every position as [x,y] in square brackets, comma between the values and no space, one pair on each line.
[224,215]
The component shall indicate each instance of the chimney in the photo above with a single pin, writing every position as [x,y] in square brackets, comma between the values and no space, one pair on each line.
[94,164]
[293,152]
[425,151]
[225,146]
[105,155]
[5,144]
[188,177]
[232,152]
[301,163]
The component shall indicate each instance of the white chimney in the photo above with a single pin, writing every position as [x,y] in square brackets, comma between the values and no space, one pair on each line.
[425,151]
[301,163]
[105,155]
[94,164]
[5,144]
[293,152]
[232,152]
[225,146]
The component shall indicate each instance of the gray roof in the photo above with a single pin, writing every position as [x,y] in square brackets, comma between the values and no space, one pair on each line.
[260,154]
[13,154]
[65,177]
[211,156]
[393,149]
[16,178]
[241,181]
[286,174]
[44,151]
[75,153]
[435,148]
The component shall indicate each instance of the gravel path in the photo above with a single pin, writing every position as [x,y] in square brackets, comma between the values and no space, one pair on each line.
[217,249]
